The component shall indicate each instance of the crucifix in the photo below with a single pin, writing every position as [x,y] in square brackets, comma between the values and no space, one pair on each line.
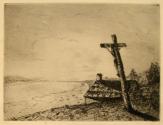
[114,48]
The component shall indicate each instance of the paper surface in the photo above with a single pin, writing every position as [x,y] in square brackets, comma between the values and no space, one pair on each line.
[55,45]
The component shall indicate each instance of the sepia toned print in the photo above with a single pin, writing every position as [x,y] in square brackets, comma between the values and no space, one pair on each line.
[82,62]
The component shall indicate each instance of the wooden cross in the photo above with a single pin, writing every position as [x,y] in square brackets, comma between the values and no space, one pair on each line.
[114,48]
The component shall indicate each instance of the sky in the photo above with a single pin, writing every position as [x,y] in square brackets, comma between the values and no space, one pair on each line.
[61,41]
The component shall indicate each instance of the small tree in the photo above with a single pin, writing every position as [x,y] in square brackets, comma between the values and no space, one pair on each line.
[133,75]
[153,74]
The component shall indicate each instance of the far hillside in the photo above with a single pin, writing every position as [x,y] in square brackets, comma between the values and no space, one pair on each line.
[13,79]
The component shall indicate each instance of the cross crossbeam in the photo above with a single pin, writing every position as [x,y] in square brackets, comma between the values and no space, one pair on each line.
[110,45]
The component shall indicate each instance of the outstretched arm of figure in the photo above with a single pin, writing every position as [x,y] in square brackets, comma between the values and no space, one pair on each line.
[111,51]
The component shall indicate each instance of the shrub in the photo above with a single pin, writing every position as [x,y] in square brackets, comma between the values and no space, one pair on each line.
[153,73]
[155,100]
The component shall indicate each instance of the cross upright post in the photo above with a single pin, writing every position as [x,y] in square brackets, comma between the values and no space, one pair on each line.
[114,48]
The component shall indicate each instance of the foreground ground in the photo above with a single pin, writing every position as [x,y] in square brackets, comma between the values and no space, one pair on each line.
[112,110]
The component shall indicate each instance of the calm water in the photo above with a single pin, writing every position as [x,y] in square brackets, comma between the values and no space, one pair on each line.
[24,98]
